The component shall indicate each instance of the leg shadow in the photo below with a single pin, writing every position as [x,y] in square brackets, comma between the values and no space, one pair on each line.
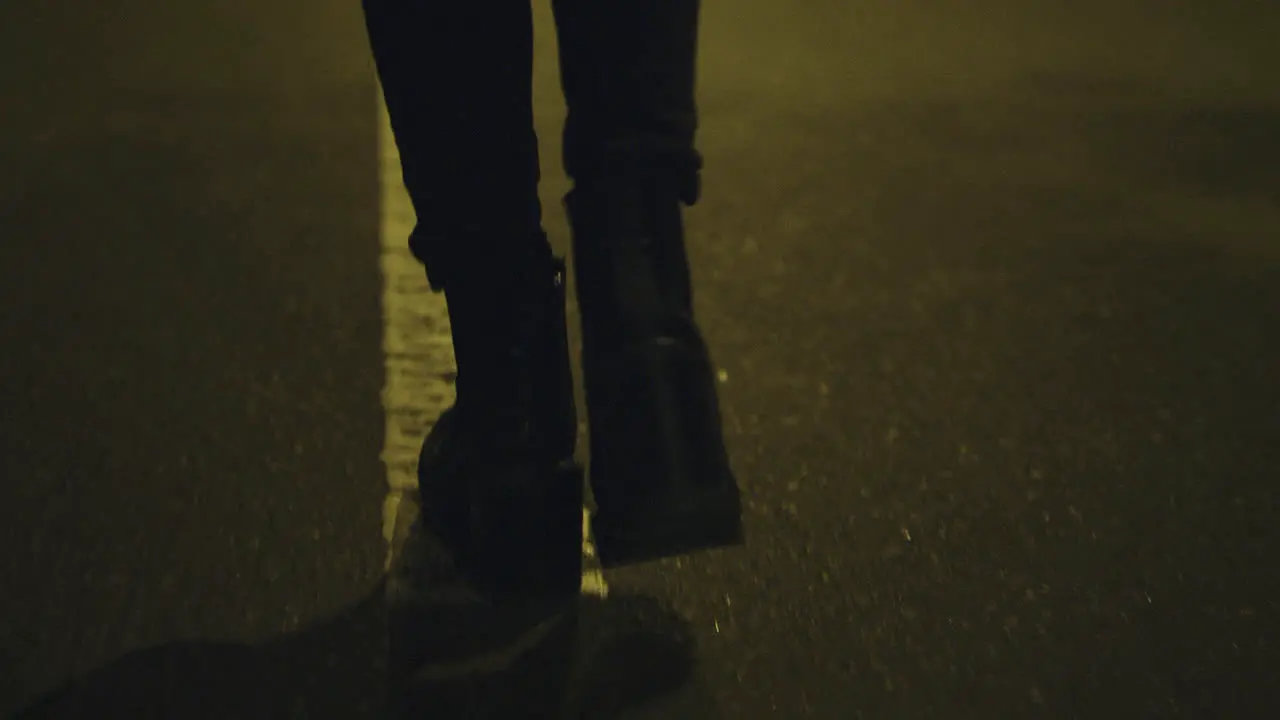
[420,645]
[334,668]
[454,655]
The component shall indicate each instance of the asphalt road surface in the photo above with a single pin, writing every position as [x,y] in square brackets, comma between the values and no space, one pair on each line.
[996,293]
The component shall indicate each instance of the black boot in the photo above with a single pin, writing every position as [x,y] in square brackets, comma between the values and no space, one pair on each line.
[659,471]
[497,476]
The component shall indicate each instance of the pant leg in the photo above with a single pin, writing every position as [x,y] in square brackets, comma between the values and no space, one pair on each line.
[457,78]
[628,72]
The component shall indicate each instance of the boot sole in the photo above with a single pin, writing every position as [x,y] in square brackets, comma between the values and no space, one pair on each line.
[658,462]
[524,545]
[705,521]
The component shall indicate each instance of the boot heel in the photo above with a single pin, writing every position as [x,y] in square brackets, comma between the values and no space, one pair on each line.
[527,543]
[659,469]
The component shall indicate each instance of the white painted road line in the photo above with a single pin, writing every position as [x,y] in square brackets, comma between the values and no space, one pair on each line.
[418,353]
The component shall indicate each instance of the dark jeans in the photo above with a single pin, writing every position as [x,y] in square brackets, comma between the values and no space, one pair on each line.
[457,78]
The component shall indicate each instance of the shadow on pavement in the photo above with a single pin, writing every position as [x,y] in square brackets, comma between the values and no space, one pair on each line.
[326,670]
[452,654]
[604,658]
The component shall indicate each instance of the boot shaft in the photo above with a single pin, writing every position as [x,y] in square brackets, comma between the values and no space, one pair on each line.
[515,380]
[630,261]
[660,474]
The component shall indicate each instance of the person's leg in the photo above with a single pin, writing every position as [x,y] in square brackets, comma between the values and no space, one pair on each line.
[456,76]
[659,470]
[628,73]
[497,477]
